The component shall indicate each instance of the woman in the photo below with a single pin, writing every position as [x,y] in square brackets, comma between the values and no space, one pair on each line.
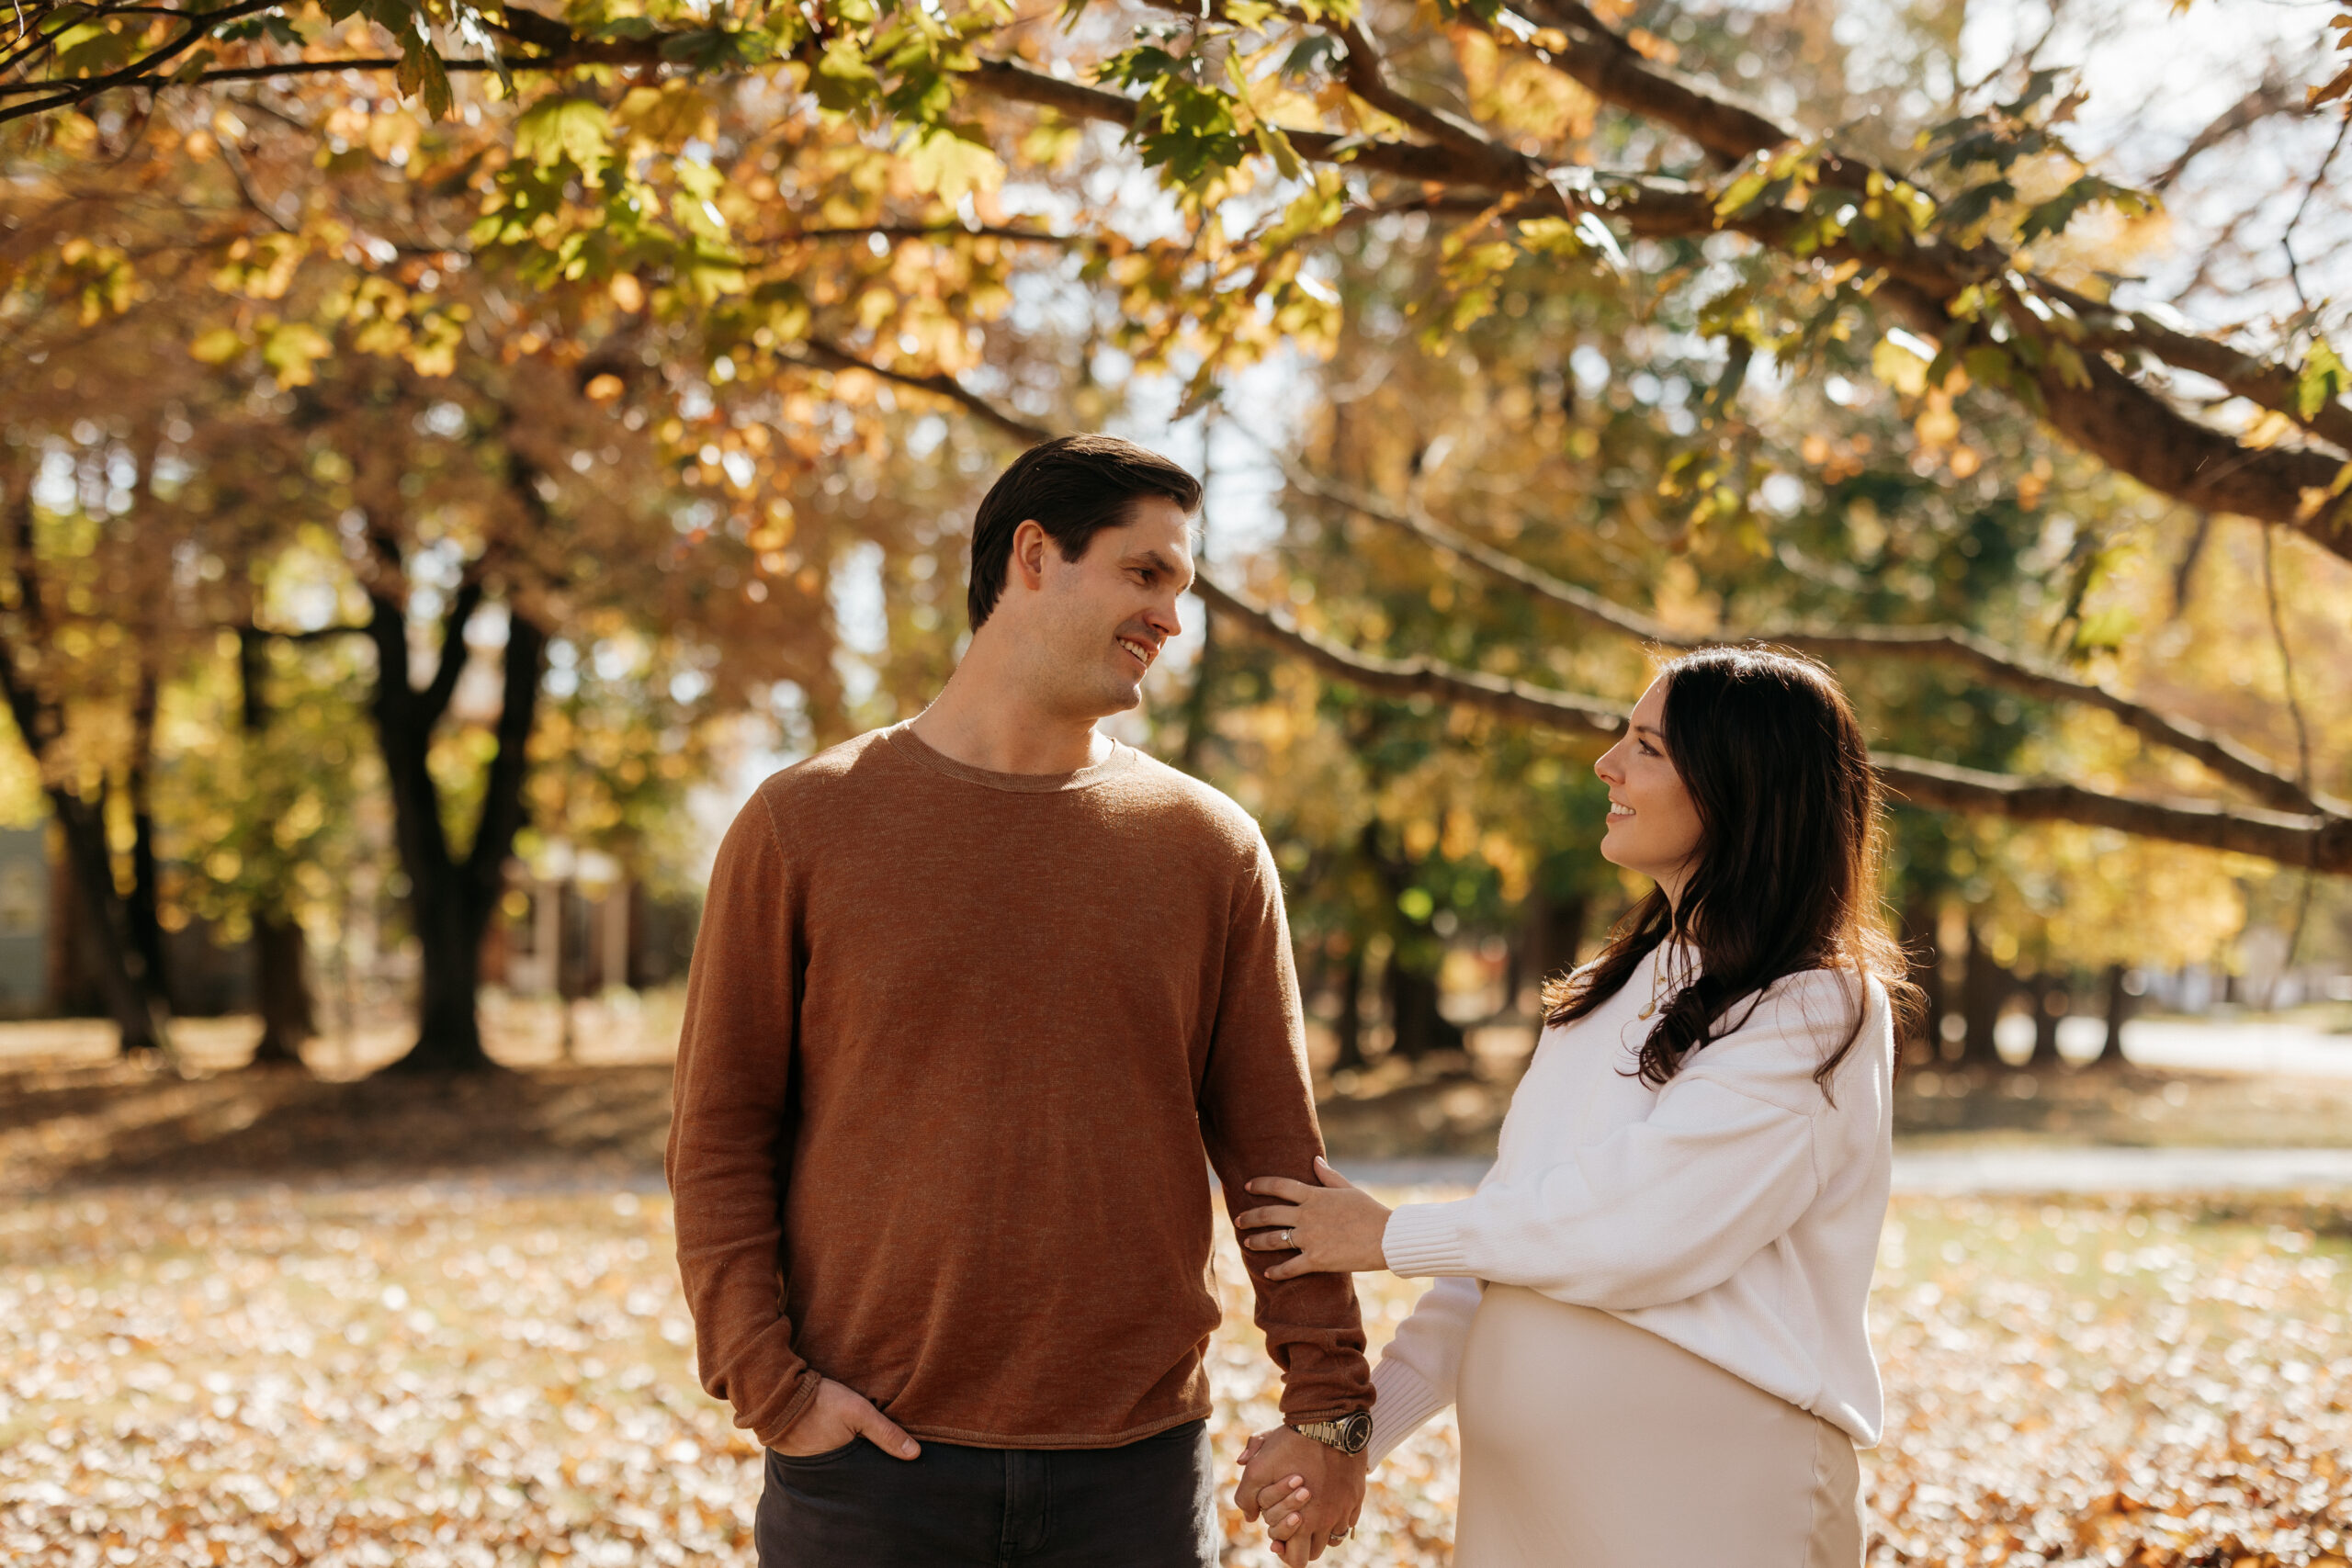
[1650,1316]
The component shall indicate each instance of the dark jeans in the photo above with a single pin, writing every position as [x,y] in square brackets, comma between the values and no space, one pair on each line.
[1149,1505]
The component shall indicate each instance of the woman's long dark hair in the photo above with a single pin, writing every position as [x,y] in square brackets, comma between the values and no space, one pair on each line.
[1786,876]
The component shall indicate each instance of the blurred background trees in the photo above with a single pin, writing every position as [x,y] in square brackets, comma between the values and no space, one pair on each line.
[419,475]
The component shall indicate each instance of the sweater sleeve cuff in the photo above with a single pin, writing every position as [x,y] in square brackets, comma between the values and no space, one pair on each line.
[1425,1238]
[803,1394]
[1402,1401]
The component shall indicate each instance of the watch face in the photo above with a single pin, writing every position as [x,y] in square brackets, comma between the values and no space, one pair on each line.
[1355,1431]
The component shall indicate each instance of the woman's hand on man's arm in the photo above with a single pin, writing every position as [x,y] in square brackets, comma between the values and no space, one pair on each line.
[1332,1229]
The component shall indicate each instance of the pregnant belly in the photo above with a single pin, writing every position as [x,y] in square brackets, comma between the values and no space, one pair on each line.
[1586,1440]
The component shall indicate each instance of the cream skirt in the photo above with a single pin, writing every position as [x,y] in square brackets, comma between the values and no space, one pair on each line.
[1589,1443]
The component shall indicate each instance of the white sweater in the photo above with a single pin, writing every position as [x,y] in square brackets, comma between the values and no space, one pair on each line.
[1736,1211]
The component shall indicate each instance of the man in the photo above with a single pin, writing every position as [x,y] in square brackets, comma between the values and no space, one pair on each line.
[971,995]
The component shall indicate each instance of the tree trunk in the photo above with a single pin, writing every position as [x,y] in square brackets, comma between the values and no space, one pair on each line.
[450,899]
[1348,1028]
[2118,1010]
[449,929]
[1983,990]
[1197,702]
[143,910]
[123,987]
[128,988]
[1419,1027]
[1555,930]
[2050,999]
[281,982]
[281,991]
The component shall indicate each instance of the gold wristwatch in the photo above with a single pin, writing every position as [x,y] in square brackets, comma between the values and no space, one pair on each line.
[1349,1434]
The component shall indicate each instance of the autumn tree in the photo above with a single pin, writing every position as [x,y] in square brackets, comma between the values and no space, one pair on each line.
[1890,338]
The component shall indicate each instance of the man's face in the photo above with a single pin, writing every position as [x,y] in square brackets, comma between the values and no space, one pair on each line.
[1099,622]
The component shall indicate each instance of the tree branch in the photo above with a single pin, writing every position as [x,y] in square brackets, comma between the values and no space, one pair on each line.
[1368,80]
[1617,73]
[1951,645]
[2323,841]
[2222,472]
[938,384]
[2258,382]
[37,719]
[1510,699]
[1017,83]
[2272,95]
[315,634]
[65,93]
[935,231]
[434,701]
[142,71]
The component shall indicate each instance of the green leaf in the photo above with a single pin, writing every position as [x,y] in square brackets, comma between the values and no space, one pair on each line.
[421,77]
[718,49]
[2069,364]
[842,80]
[1970,206]
[252,30]
[1989,366]
[1276,146]
[576,130]
[2323,380]
[93,49]
[2051,217]
[1741,194]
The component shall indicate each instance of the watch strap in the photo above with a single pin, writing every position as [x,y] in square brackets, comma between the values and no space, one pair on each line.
[1349,1434]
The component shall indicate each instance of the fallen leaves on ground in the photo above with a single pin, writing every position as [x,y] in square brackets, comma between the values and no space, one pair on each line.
[474,1373]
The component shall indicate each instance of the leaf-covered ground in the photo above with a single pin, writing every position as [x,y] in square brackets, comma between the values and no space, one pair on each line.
[466,1372]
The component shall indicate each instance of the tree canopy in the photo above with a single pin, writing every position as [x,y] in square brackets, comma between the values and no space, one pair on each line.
[629,328]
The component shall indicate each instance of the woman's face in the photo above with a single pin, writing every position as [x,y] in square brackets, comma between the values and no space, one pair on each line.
[1653,825]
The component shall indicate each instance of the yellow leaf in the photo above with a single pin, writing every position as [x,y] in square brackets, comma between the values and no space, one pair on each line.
[948,166]
[218,346]
[1899,367]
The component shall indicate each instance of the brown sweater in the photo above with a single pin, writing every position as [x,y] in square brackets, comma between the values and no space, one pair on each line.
[953,1042]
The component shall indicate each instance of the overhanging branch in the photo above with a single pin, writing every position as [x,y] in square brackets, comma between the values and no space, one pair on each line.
[2322,841]
[939,384]
[1955,647]
[1517,700]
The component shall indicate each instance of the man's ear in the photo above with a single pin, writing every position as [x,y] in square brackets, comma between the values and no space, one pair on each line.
[1027,563]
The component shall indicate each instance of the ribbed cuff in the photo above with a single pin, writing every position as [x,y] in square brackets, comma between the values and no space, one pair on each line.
[1425,1238]
[1402,1401]
[804,1386]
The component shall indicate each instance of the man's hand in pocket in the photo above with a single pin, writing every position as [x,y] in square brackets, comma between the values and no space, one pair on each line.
[839,1416]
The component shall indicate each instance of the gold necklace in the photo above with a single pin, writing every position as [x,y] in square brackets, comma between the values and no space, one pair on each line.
[1658,980]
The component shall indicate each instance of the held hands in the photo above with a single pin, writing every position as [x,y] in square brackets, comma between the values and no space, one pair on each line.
[838,1416]
[1334,1229]
[1309,1493]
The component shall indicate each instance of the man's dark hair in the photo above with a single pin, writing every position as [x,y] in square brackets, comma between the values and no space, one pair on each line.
[1073,487]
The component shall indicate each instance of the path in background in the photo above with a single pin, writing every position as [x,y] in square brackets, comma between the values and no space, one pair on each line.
[521,1032]
[2299,1049]
[631,1026]
[73,1114]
